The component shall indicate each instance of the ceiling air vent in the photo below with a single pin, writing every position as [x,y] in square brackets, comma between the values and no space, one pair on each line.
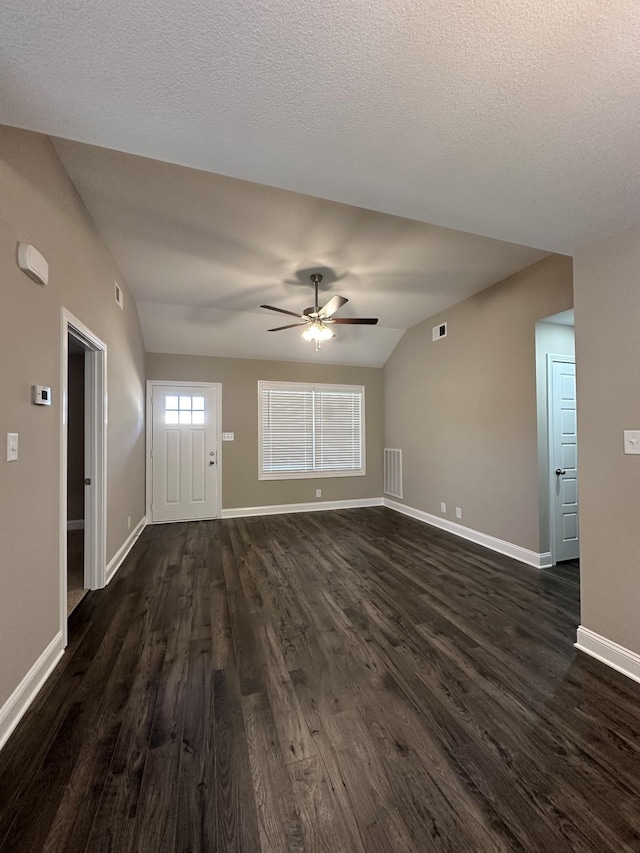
[439,332]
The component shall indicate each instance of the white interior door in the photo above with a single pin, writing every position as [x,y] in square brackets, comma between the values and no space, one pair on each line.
[564,460]
[185,438]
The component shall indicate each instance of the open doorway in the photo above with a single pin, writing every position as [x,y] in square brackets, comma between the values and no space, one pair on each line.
[76,584]
[83,465]
[557,439]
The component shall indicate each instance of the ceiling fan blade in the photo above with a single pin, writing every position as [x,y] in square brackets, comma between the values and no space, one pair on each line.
[332,306]
[292,326]
[364,321]
[280,310]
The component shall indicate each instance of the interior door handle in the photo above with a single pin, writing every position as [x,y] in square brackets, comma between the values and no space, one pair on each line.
[559,471]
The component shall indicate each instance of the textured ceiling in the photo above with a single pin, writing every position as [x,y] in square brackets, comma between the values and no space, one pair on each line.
[506,118]
[202,252]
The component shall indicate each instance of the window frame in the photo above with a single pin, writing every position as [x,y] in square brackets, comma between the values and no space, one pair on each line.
[313,387]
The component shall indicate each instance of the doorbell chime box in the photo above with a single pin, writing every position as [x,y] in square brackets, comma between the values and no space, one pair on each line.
[41,395]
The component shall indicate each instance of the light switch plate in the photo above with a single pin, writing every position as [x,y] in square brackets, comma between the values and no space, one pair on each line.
[12,446]
[632,441]
[228,436]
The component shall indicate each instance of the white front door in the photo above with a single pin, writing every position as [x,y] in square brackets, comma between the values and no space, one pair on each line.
[184,451]
[564,460]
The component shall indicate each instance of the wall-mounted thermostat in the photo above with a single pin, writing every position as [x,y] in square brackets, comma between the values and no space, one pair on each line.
[41,395]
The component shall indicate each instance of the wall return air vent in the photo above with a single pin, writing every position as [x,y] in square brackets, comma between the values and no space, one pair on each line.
[393,472]
[439,331]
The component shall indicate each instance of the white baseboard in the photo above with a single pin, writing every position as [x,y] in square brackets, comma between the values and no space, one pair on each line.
[119,557]
[75,524]
[316,506]
[18,703]
[524,555]
[615,656]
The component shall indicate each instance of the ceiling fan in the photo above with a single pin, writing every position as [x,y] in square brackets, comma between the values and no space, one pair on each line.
[317,321]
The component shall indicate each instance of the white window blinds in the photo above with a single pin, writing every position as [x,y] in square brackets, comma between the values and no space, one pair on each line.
[310,430]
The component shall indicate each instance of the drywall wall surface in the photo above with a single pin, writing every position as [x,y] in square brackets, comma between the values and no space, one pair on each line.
[40,206]
[463,408]
[551,339]
[607,311]
[239,378]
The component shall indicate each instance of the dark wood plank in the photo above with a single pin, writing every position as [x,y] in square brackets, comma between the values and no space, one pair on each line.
[244,644]
[121,791]
[236,816]
[196,825]
[278,818]
[323,824]
[295,739]
[156,811]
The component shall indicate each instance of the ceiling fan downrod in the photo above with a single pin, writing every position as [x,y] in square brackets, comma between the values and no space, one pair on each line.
[316,278]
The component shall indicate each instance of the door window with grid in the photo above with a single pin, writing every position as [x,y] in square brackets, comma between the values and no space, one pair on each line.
[184,409]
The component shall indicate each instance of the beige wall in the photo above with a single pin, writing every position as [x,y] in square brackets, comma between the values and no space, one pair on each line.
[551,339]
[607,307]
[239,378]
[463,409]
[40,206]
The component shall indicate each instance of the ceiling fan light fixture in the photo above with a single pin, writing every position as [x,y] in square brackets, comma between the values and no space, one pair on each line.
[317,332]
[317,319]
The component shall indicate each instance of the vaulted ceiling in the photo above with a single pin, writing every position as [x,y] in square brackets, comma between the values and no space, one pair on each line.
[202,252]
[505,119]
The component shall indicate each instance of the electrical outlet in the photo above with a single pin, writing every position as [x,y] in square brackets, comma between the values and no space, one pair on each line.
[443,507]
[318,493]
[458,512]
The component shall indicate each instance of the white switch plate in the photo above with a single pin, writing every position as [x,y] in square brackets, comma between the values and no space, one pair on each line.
[12,446]
[443,507]
[458,512]
[228,436]
[632,441]
[318,493]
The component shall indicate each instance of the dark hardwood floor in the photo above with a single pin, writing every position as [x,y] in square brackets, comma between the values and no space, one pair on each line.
[344,681]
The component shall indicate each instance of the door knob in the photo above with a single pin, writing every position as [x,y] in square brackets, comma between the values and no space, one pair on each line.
[559,471]
[211,462]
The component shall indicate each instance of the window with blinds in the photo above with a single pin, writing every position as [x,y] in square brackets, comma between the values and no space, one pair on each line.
[310,430]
